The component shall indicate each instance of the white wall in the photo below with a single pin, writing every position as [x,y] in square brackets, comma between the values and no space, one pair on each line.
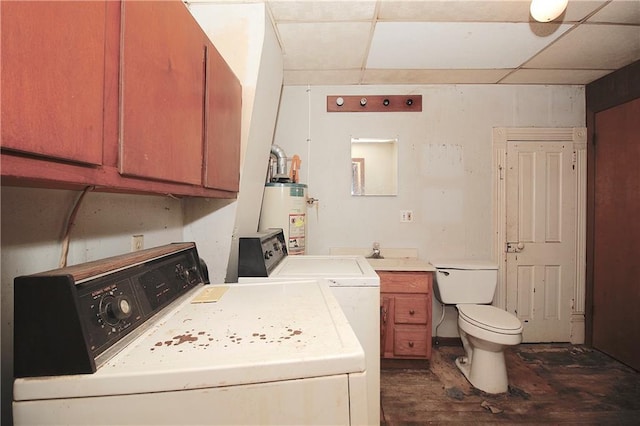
[444,163]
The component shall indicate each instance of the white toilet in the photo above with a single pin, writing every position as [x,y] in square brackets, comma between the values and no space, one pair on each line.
[485,330]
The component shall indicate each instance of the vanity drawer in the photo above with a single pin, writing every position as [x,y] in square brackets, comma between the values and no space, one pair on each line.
[410,342]
[411,309]
[405,282]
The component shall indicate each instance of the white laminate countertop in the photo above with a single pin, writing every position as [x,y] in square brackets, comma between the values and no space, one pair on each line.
[394,259]
[401,264]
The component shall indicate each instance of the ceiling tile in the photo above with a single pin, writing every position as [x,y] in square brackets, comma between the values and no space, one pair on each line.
[376,76]
[577,10]
[592,46]
[619,12]
[324,46]
[334,77]
[319,11]
[454,11]
[528,76]
[445,45]
[477,11]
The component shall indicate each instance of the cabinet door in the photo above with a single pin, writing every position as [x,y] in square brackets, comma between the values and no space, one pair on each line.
[162,92]
[53,68]
[223,124]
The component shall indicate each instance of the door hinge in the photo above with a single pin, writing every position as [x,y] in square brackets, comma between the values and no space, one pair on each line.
[501,171]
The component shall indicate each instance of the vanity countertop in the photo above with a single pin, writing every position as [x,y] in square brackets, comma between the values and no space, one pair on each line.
[401,264]
[394,259]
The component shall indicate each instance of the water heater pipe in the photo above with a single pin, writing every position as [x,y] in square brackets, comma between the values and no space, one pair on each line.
[281,159]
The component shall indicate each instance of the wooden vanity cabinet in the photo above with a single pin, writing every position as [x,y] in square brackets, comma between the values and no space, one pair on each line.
[405,309]
[124,96]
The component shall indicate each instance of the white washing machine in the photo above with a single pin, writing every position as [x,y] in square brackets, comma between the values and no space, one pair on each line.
[148,343]
[352,280]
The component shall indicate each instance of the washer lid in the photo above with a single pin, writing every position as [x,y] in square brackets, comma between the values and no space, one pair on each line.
[468,264]
[490,318]
[255,333]
[350,271]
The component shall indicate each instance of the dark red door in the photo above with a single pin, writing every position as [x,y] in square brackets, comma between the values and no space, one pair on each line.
[616,296]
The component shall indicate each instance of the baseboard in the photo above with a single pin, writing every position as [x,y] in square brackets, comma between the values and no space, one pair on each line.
[446,341]
[413,364]
[577,329]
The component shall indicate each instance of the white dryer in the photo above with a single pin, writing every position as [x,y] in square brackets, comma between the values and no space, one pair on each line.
[352,280]
[140,340]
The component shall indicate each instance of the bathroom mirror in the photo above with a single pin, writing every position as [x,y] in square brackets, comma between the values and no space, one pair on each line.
[374,166]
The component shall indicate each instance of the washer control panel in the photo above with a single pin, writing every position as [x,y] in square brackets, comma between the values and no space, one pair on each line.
[88,318]
[260,253]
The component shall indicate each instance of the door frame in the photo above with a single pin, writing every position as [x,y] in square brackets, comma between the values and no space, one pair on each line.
[578,137]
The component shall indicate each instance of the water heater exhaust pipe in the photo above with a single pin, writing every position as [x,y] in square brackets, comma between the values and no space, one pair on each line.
[281,160]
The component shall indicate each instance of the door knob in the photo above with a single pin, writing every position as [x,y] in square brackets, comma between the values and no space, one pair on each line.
[515,247]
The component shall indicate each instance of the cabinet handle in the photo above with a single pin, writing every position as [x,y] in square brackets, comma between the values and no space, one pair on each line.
[410,344]
[412,312]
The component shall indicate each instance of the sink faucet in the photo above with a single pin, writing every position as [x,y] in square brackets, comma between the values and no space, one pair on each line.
[376,252]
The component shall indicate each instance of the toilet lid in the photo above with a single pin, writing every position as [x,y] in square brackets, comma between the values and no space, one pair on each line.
[490,318]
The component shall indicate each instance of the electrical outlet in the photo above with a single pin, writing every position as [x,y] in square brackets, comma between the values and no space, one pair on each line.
[406,215]
[137,242]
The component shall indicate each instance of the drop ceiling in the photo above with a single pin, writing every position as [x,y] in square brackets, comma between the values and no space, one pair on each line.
[352,42]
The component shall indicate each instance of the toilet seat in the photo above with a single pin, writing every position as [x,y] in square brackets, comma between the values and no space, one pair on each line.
[490,318]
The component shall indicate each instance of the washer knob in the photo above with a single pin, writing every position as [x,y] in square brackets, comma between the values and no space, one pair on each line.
[120,308]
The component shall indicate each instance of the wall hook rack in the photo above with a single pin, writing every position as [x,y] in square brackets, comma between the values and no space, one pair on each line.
[374,103]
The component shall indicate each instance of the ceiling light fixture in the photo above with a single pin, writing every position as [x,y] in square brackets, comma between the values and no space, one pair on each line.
[547,10]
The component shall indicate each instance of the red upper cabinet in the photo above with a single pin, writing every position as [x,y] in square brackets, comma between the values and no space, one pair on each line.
[53,65]
[162,85]
[124,96]
[223,124]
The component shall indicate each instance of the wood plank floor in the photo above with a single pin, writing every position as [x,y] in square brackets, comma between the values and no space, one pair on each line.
[548,384]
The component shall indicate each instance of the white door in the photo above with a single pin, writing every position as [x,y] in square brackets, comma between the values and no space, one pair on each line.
[541,237]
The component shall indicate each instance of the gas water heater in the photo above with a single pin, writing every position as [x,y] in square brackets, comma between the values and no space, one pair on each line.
[284,202]
[284,205]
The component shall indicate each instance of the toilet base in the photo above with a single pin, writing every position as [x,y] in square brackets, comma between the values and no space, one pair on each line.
[484,365]
[462,362]
[487,372]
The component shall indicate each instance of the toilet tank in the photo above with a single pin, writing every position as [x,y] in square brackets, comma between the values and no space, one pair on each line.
[465,281]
